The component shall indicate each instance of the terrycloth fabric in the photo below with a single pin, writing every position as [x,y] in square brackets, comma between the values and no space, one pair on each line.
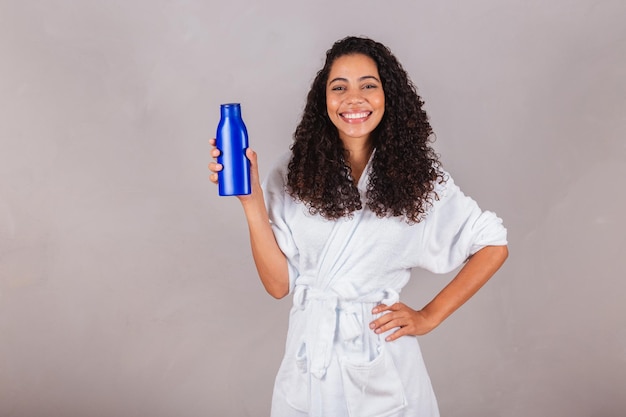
[334,365]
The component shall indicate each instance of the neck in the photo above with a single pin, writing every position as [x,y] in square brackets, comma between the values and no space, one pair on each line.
[357,156]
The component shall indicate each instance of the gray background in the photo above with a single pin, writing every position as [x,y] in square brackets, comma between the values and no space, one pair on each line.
[127,286]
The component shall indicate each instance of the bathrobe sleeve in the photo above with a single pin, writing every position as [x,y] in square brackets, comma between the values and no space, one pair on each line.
[278,204]
[456,228]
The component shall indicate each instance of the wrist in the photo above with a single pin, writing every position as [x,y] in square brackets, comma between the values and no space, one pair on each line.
[254,199]
[430,318]
[254,207]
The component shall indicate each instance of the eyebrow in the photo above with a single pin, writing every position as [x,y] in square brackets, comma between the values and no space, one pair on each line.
[365,77]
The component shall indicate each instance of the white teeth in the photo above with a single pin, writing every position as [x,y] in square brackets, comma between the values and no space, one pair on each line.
[355,115]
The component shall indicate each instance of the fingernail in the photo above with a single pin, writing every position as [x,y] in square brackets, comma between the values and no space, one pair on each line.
[372,325]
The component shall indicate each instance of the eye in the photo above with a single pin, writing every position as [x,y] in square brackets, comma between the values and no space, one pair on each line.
[338,88]
[369,86]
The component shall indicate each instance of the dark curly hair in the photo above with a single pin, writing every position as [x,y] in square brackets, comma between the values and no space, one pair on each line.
[404,167]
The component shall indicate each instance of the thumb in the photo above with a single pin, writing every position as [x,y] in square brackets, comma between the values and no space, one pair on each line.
[254,166]
[252,157]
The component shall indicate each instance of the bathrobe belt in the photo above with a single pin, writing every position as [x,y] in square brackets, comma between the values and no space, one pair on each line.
[324,309]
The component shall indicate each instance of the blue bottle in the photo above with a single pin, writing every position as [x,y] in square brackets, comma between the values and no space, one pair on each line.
[232,141]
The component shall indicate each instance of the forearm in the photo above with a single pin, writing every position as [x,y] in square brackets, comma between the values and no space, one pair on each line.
[270,261]
[476,272]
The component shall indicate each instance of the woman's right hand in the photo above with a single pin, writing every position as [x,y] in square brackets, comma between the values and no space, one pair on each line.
[255,184]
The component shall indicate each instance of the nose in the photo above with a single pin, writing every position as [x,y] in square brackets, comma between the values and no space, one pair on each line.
[355,98]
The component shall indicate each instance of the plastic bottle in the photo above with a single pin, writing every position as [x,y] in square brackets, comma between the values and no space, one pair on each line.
[232,141]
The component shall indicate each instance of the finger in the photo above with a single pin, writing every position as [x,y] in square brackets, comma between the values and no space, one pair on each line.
[254,167]
[396,321]
[215,152]
[385,328]
[381,318]
[215,167]
[380,308]
[398,307]
[255,183]
[213,178]
[397,334]
[384,323]
[252,157]
[212,141]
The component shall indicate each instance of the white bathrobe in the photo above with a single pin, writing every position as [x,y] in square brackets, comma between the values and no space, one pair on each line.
[334,364]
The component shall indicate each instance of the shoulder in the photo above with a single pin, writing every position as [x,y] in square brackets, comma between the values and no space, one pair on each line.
[447,193]
[446,187]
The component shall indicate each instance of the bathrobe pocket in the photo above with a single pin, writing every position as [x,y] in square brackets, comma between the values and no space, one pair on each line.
[297,389]
[373,389]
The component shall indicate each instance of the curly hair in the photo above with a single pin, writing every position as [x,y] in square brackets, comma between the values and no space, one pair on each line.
[404,166]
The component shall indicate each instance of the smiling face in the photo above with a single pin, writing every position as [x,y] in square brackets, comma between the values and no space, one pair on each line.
[355,99]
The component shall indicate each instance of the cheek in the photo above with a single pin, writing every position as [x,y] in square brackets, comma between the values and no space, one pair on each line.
[331,105]
[381,105]
[381,101]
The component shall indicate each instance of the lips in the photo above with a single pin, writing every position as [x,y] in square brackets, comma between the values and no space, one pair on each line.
[355,117]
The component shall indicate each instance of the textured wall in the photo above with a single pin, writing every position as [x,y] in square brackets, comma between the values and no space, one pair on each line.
[126,284]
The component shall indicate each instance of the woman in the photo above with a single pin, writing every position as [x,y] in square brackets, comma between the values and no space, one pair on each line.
[339,224]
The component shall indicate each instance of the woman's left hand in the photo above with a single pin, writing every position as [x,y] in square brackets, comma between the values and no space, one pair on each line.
[409,321]
[477,270]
